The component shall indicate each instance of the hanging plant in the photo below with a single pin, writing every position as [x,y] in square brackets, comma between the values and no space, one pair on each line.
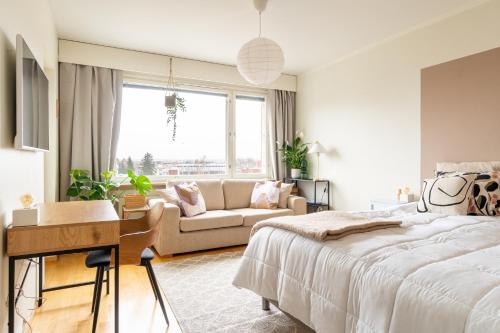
[178,105]
[173,103]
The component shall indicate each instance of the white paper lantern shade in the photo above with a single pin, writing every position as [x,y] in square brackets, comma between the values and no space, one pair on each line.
[260,61]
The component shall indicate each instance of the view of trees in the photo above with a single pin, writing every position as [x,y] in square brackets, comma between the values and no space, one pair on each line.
[148,165]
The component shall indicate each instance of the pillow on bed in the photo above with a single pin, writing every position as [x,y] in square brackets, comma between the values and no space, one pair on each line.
[444,168]
[446,195]
[485,198]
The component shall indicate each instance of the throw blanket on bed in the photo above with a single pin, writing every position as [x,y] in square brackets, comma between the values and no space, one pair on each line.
[327,225]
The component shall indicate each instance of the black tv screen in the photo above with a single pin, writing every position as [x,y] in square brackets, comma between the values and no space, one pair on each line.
[32,101]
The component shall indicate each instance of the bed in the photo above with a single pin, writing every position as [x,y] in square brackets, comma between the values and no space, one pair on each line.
[436,273]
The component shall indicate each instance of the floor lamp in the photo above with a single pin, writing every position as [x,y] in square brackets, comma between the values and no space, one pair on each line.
[317,149]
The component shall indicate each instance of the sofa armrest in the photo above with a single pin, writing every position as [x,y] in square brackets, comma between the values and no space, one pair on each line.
[297,204]
[169,227]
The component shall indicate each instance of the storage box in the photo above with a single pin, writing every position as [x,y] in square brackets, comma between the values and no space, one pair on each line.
[25,217]
[406,198]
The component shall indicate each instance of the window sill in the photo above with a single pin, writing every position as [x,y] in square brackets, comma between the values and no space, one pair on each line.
[159,182]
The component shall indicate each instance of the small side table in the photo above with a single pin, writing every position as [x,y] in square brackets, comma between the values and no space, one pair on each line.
[315,205]
[127,211]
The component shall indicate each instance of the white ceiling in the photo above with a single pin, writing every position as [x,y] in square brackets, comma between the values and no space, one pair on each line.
[311,32]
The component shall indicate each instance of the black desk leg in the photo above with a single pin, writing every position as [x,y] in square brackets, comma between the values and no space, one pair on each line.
[12,267]
[40,280]
[117,288]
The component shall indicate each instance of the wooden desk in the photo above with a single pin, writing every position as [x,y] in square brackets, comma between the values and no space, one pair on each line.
[65,227]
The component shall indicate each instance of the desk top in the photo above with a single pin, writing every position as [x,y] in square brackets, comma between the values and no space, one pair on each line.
[76,212]
[67,226]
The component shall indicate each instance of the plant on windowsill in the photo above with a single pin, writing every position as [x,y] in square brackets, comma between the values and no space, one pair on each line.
[293,155]
[142,186]
[83,187]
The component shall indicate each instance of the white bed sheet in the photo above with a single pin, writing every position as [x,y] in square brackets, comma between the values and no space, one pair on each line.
[435,274]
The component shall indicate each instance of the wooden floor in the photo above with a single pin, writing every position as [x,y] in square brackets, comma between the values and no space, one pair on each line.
[68,310]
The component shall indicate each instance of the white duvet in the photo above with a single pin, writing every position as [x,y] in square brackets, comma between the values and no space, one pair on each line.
[436,273]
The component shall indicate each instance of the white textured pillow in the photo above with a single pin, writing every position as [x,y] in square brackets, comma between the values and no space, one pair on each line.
[450,167]
[446,195]
[285,191]
[170,196]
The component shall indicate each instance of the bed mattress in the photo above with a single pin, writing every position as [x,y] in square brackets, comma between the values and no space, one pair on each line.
[436,273]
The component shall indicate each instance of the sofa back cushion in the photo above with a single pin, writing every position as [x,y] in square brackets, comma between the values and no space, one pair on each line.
[238,192]
[211,189]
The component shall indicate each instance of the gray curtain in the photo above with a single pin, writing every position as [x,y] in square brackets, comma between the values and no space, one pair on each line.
[281,121]
[89,119]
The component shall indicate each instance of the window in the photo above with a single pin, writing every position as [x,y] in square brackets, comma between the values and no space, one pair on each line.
[146,144]
[250,135]
[203,144]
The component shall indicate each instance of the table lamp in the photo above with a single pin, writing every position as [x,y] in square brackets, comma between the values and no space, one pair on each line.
[317,149]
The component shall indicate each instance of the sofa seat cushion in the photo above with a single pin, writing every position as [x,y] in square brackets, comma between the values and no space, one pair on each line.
[212,219]
[253,215]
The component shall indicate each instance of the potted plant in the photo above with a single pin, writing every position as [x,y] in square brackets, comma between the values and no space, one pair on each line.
[173,103]
[84,187]
[142,186]
[294,155]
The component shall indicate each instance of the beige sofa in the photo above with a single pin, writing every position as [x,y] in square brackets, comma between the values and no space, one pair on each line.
[227,222]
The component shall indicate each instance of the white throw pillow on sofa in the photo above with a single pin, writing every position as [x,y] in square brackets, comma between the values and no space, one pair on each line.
[265,195]
[191,199]
[285,191]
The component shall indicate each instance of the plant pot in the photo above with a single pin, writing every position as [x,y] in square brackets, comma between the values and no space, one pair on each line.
[170,101]
[295,173]
[134,200]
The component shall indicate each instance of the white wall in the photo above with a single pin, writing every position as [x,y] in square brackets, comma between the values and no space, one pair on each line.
[21,171]
[158,65]
[366,108]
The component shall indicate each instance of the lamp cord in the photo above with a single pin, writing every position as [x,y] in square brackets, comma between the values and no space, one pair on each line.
[260,23]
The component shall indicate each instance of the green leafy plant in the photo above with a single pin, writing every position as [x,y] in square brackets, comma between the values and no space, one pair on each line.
[294,154]
[180,105]
[140,183]
[84,187]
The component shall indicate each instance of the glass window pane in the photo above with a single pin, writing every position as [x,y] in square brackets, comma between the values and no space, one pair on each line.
[250,131]
[146,143]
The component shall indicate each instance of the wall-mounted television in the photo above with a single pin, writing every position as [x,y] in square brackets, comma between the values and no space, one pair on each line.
[32,101]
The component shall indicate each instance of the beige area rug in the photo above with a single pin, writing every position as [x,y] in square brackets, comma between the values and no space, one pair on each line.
[203,299]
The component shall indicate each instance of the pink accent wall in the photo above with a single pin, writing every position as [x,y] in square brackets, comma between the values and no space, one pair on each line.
[460,111]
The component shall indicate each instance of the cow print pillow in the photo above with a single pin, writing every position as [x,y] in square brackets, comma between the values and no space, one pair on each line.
[485,198]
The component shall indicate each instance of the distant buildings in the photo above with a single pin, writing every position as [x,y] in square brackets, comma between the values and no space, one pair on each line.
[200,167]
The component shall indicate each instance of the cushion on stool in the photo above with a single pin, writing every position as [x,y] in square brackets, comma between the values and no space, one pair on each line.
[98,258]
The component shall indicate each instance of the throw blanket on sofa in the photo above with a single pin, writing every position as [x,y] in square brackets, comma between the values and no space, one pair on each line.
[328,225]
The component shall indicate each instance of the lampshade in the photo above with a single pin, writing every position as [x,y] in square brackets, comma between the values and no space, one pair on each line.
[260,61]
[317,148]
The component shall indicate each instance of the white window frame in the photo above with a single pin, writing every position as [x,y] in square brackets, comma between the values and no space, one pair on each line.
[264,141]
[231,92]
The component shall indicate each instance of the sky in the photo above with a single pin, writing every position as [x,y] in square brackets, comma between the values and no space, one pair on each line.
[201,130]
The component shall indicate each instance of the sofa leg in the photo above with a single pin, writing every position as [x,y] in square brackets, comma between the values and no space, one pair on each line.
[265,304]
